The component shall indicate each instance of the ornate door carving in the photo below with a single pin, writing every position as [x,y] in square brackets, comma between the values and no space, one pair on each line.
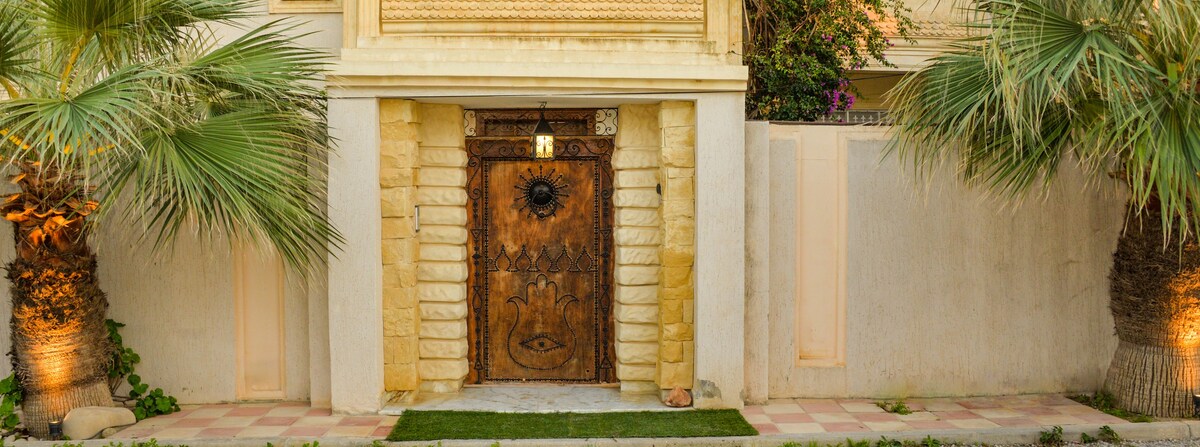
[541,261]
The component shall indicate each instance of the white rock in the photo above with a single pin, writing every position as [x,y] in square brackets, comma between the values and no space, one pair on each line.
[87,422]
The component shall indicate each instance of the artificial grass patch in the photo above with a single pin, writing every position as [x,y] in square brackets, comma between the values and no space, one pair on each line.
[439,425]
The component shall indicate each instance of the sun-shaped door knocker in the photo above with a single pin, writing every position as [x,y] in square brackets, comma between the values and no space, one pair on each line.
[542,193]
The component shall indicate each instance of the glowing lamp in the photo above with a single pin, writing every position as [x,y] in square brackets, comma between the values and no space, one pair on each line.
[543,137]
[56,432]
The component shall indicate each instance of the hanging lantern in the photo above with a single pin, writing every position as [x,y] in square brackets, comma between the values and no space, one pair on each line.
[543,137]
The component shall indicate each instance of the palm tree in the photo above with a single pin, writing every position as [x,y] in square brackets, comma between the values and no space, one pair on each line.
[136,105]
[1110,85]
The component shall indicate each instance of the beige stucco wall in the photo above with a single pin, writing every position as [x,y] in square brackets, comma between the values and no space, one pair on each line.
[946,292]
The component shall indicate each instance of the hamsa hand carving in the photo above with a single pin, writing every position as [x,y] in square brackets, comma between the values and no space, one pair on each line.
[541,336]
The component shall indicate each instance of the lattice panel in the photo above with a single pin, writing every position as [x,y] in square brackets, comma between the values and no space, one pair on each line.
[582,10]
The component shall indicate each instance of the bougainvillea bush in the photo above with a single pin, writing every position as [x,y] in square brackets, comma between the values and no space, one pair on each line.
[800,53]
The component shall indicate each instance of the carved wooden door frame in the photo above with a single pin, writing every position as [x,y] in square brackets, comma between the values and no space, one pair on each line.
[483,151]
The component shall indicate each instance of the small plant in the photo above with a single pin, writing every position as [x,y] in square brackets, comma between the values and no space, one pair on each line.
[1053,436]
[930,442]
[1104,401]
[10,398]
[1087,439]
[897,407]
[1107,434]
[146,402]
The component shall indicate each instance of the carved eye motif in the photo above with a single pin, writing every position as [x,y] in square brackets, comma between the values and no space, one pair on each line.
[541,193]
[541,343]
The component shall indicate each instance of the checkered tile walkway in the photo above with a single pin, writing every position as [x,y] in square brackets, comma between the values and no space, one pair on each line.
[287,419]
[799,416]
[779,417]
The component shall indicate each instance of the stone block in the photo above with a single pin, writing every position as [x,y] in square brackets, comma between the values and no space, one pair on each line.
[677,113]
[676,277]
[672,375]
[677,293]
[400,298]
[395,154]
[444,349]
[443,252]
[638,217]
[639,125]
[635,332]
[670,311]
[680,232]
[399,110]
[404,350]
[647,294]
[636,372]
[680,189]
[677,331]
[634,159]
[636,275]
[432,310]
[443,215]
[671,351]
[441,195]
[674,210]
[442,234]
[400,377]
[399,322]
[689,311]
[441,386]
[399,251]
[638,236]
[636,178]
[681,172]
[637,353]
[451,157]
[397,132]
[442,125]
[444,330]
[431,176]
[678,256]
[399,276]
[398,227]
[442,291]
[396,177]
[442,369]
[637,313]
[638,387]
[435,271]
[87,422]
[637,256]
[679,145]
[389,348]
[396,202]
[637,197]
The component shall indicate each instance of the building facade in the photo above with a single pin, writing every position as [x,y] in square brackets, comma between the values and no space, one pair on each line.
[667,243]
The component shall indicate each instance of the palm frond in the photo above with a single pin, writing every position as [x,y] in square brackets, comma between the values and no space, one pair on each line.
[242,173]
[16,65]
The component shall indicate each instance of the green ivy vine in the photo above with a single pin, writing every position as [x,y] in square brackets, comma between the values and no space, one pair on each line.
[145,402]
[11,397]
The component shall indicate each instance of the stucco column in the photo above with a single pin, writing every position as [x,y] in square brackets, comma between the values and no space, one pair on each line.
[356,271]
[720,250]
[758,253]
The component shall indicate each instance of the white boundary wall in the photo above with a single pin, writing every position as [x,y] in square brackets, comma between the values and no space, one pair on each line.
[923,289]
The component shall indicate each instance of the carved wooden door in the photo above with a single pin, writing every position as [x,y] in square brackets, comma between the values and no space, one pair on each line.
[541,270]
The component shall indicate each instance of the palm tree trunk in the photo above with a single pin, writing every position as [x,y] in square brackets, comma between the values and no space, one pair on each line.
[61,350]
[1156,308]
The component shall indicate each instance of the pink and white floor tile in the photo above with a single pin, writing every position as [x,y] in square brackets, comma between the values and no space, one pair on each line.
[800,416]
[287,419]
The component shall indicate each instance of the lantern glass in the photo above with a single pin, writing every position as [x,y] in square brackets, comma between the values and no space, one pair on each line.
[543,146]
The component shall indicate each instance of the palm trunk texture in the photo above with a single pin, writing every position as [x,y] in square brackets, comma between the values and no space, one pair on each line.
[1155,305]
[61,351]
